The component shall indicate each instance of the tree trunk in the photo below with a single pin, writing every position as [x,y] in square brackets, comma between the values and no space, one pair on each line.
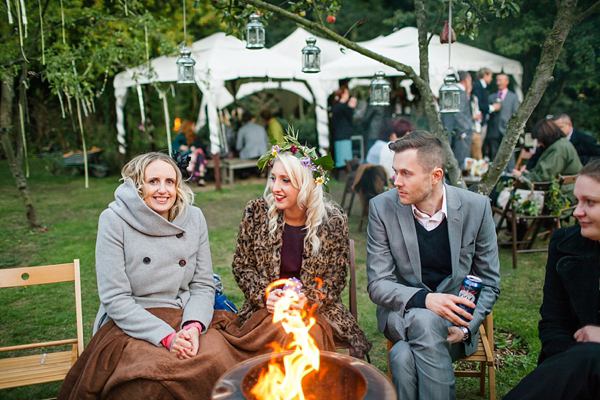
[551,49]
[6,106]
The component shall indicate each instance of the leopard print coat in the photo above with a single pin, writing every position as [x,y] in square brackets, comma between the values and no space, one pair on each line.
[257,260]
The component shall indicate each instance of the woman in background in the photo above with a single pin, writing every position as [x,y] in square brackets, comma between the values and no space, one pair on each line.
[559,157]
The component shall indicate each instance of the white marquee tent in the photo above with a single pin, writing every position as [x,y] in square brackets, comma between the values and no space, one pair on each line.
[220,58]
[403,46]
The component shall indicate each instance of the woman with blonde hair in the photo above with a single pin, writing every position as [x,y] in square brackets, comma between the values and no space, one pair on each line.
[296,231]
[156,289]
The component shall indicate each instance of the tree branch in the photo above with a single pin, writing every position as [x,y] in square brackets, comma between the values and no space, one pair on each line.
[437,23]
[587,13]
[433,117]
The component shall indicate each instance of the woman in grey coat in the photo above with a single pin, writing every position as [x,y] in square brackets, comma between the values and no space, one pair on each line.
[155,279]
[152,251]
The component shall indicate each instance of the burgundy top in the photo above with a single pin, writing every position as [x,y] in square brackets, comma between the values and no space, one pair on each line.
[291,251]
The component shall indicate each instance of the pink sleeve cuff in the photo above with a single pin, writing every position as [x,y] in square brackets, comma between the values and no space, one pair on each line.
[192,324]
[167,340]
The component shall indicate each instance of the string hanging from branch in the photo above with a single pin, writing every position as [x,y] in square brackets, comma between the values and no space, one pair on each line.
[42,32]
[24,16]
[62,17]
[22,120]
[10,17]
[60,100]
[85,163]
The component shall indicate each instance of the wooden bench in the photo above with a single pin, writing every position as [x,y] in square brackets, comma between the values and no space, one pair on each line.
[484,355]
[229,165]
[45,367]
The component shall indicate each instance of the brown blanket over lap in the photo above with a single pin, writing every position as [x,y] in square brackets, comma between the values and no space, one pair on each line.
[115,366]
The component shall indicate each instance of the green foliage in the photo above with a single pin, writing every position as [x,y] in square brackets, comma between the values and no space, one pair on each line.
[554,199]
[467,16]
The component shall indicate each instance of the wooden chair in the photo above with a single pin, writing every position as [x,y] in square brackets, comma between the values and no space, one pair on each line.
[340,345]
[46,367]
[484,355]
[543,224]
[351,167]
[524,156]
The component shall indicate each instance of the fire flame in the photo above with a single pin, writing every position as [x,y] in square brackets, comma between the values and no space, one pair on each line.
[286,384]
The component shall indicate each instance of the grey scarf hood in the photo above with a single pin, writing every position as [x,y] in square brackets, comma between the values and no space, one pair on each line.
[132,209]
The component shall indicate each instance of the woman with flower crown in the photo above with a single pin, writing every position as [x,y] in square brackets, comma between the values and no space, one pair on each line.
[295,231]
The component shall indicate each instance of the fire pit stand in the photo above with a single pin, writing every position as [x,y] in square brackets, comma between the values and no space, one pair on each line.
[339,377]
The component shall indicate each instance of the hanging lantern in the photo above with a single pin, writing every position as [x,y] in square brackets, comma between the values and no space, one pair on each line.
[449,95]
[185,67]
[255,33]
[310,56]
[380,90]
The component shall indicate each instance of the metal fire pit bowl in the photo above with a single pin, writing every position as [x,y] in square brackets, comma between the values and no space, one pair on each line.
[340,377]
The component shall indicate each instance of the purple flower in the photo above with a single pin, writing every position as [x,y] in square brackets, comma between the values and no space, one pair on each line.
[275,150]
[141,127]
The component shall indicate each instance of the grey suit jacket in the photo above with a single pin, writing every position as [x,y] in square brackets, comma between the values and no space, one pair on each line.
[498,121]
[394,265]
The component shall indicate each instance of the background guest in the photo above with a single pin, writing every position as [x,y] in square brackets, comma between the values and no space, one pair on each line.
[569,363]
[559,157]
[252,141]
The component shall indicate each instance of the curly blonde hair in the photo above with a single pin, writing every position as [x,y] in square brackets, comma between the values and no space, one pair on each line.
[135,171]
[311,198]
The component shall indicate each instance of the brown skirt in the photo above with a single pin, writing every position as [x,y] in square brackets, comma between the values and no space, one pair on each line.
[116,366]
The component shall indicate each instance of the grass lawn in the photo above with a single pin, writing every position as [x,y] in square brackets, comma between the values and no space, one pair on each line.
[71,212]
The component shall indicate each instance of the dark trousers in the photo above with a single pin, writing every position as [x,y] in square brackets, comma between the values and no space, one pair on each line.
[573,374]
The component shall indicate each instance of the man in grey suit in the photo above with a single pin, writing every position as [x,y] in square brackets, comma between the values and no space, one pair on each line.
[498,121]
[423,239]
[252,140]
[459,126]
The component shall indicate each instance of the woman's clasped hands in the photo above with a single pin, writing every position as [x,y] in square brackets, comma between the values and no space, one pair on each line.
[185,344]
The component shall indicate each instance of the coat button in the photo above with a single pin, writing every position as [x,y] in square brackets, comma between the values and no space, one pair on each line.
[147,260]
[179,235]
[182,263]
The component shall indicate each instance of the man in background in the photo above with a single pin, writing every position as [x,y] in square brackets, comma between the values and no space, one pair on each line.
[479,94]
[459,126]
[505,104]
[252,139]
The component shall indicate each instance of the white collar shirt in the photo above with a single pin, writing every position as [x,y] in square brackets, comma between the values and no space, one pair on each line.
[433,221]
[483,84]
[570,134]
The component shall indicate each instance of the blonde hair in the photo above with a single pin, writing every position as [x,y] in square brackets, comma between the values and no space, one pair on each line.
[311,198]
[135,171]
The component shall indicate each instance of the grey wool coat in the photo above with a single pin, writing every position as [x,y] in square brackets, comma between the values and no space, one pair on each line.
[145,261]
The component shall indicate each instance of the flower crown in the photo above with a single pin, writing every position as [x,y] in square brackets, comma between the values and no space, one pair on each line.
[307,156]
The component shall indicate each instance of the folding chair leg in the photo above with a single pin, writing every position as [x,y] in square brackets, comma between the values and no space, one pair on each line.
[492,382]
[513,222]
[352,194]
[482,379]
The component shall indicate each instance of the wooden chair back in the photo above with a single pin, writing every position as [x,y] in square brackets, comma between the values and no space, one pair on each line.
[484,355]
[46,367]
[524,156]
